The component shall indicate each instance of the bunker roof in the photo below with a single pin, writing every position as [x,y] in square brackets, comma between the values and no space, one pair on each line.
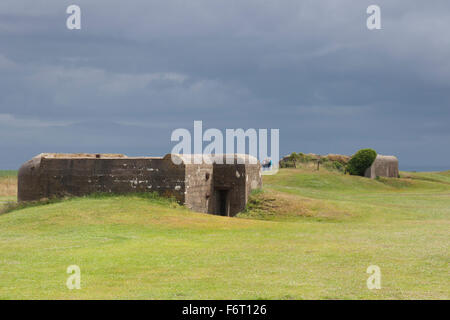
[217,158]
[177,158]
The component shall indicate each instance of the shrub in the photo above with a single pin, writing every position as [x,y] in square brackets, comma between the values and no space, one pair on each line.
[360,161]
[291,160]
[287,164]
[333,166]
[338,166]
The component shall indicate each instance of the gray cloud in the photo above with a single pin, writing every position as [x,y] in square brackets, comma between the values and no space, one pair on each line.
[138,70]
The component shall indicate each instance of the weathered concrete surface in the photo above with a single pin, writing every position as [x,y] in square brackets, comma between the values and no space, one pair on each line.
[48,176]
[383,166]
[223,178]
[205,187]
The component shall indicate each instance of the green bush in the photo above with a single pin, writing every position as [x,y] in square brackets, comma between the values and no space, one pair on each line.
[287,164]
[333,166]
[338,166]
[292,160]
[360,161]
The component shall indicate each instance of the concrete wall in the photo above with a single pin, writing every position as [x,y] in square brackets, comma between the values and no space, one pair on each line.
[47,177]
[233,174]
[195,185]
[202,182]
[199,186]
[231,178]
[383,166]
[253,179]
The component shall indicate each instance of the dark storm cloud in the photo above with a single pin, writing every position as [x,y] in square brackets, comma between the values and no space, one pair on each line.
[139,69]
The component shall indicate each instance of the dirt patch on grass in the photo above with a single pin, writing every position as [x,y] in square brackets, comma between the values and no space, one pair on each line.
[273,205]
[398,183]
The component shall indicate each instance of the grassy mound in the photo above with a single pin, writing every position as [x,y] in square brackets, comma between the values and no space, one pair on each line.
[314,236]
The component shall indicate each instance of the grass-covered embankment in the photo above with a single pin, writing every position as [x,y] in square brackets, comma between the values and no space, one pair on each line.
[306,235]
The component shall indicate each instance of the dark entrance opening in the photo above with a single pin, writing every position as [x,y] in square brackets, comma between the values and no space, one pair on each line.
[221,206]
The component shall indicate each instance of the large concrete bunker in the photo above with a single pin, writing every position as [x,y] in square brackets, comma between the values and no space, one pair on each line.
[210,186]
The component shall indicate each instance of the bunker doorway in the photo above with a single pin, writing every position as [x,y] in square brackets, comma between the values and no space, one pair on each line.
[222,202]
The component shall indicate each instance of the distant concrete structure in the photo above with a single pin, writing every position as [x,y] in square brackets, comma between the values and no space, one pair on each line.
[383,166]
[206,186]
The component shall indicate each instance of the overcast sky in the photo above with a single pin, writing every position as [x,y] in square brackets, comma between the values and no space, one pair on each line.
[139,69]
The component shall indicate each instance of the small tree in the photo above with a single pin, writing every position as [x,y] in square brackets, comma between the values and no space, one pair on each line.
[360,161]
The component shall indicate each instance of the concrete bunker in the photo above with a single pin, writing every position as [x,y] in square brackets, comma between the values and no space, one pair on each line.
[383,166]
[211,186]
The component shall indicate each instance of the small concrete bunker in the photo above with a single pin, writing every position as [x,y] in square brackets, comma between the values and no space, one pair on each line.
[210,186]
[383,166]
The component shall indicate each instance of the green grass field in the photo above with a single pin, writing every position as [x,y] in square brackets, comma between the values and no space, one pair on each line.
[306,235]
